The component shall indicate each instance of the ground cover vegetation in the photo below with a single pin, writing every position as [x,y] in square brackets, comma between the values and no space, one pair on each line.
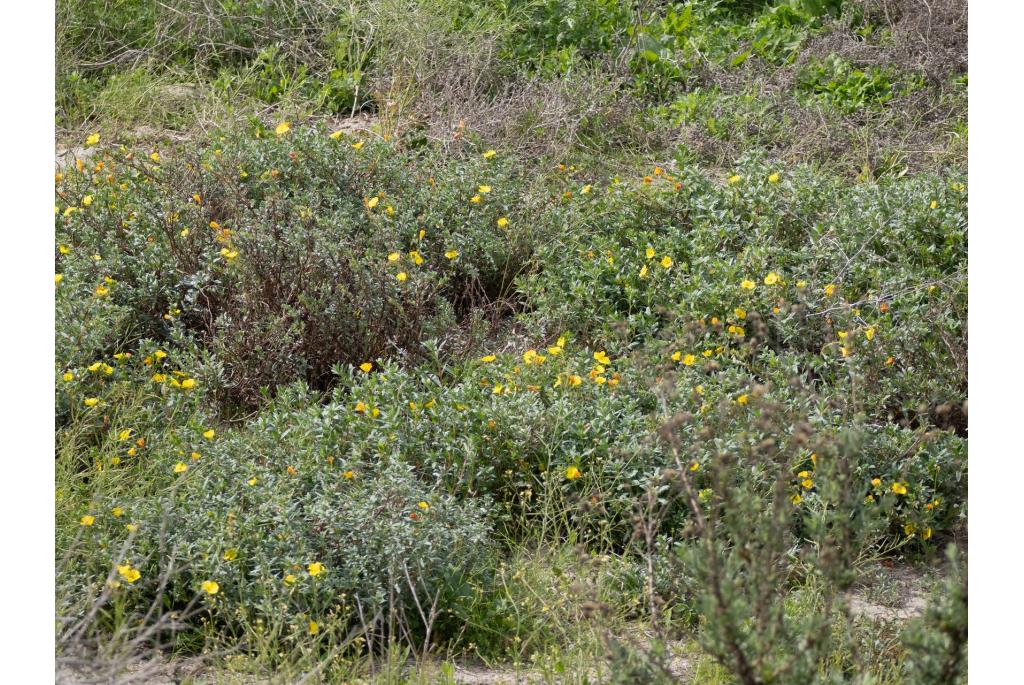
[579,341]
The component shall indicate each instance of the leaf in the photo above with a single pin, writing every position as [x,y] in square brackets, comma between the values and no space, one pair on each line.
[740,58]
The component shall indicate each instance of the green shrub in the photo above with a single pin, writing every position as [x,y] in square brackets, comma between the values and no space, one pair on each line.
[937,642]
[285,254]
[848,89]
[798,341]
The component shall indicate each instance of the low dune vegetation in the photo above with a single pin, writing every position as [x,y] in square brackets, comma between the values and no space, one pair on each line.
[482,341]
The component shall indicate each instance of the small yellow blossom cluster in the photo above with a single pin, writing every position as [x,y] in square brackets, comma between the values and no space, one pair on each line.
[510,383]
[175,378]
[363,408]
[804,482]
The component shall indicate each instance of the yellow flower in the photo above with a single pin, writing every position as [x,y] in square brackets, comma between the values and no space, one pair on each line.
[117,512]
[689,360]
[807,483]
[451,254]
[360,408]
[572,473]
[740,313]
[159,377]
[91,401]
[416,257]
[64,249]
[252,481]
[796,499]
[575,380]
[830,290]
[869,333]
[349,475]
[475,199]
[209,434]
[93,139]
[695,466]
[188,383]
[934,204]
[394,257]
[423,505]
[502,222]
[155,156]
[283,128]
[771,279]
[372,202]
[483,189]
[290,579]
[498,388]
[676,356]
[801,284]
[585,189]
[601,358]
[57,278]
[87,520]
[666,262]
[734,179]
[650,253]
[748,284]
[68,376]
[180,467]
[315,569]
[876,482]
[125,434]
[336,135]
[195,456]
[129,573]
[313,628]
[742,399]
[773,178]
[927,534]
[366,367]
[231,554]
[210,587]
[401,276]
[488,358]
[643,271]
[899,488]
